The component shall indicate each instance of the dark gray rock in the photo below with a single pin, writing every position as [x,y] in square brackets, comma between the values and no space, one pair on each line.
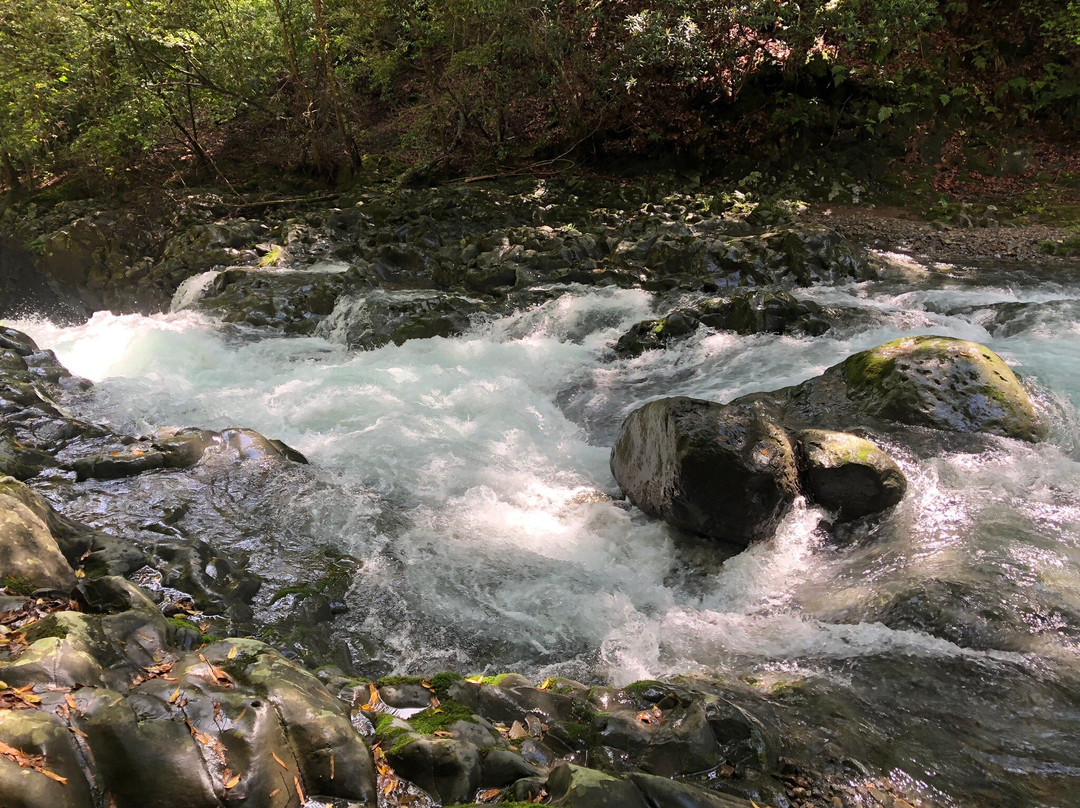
[231,723]
[849,474]
[724,471]
[661,791]
[501,767]
[681,743]
[446,768]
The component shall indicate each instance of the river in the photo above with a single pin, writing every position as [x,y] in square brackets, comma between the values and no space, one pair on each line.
[469,475]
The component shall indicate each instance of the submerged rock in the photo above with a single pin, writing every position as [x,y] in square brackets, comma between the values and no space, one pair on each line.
[727,472]
[772,312]
[849,474]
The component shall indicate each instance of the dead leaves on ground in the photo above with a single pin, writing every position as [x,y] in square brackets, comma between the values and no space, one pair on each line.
[215,673]
[653,716]
[14,622]
[25,761]
[18,698]
[159,671]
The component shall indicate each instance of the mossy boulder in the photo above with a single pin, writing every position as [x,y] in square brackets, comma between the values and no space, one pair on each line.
[727,472]
[849,474]
[28,549]
[940,382]
[926,381]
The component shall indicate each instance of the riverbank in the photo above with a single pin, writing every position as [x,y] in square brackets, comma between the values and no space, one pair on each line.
[450,362]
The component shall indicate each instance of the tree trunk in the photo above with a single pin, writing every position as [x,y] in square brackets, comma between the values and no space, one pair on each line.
[11,174]
[351,150]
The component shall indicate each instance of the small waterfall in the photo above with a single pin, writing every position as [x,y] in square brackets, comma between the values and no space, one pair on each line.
[192,290]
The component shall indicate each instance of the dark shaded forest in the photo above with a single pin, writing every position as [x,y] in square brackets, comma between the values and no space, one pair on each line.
[101,95]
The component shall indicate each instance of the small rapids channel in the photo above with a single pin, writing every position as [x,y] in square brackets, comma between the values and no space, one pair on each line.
[469,478]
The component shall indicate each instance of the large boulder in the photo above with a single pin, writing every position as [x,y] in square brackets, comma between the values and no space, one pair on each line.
[727,472]
[849,474]
[29,554]
[928,381]
[231,723]
[940,382]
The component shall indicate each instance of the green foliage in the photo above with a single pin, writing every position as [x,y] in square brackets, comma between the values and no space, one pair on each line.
[1067,246]
[18,585]
[96,86]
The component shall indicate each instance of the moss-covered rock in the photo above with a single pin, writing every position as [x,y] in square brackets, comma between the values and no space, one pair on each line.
[927,381]
[941,382]
[726,472]
[28,549]
[849,474]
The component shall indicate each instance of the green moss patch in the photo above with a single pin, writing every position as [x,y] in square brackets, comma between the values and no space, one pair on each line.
[438,718]
[18,586]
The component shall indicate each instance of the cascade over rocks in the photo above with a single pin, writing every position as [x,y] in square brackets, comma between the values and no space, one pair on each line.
[519,236]
[725,471]
[772,312]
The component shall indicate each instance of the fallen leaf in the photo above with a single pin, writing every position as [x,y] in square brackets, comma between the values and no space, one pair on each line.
[547,683]
[331,765]
[274,793]
[216,673]
[390,785]
[233,783]
[78,732]
[71,701]
[490,794]
[53,776]
[374,699]
[299,791]
[280,762]
[517,732]
[232,652]
[442,733]
[27,694]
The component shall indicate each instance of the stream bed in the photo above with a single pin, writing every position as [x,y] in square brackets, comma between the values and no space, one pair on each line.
[468,478]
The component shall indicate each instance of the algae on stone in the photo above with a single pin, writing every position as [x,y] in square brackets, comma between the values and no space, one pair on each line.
[944,383]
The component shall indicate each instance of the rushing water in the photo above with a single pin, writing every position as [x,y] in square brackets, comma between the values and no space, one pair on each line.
[942,641]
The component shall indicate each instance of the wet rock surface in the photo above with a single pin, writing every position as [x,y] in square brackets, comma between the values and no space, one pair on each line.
[729,471]
[939,382]
[849,474]
[181,511]
[725,472]
[300,265]
[772,312]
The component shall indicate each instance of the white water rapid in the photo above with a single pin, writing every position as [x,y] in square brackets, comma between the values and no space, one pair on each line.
[504,550]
